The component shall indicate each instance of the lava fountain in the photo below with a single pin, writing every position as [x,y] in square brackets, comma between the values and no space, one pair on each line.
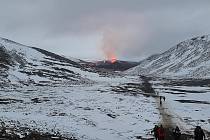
[110,45]
[113,60]
[110,55]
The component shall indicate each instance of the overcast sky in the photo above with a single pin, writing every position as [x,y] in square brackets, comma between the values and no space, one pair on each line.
[97,29]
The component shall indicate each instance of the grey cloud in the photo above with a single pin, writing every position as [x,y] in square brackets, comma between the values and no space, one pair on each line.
[141,27]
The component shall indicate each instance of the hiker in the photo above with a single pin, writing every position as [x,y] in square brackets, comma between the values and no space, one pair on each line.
[155,131]
[3,129]
[164,98]
[160,100]
[176,133]
[161,133]
[198,133]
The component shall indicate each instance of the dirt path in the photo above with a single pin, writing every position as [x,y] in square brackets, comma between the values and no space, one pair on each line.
[167,121]
[166,115]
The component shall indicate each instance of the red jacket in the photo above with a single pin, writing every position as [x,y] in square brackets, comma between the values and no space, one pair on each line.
[161,133]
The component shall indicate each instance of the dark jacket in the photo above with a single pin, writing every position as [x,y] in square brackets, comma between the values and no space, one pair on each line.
[199,134]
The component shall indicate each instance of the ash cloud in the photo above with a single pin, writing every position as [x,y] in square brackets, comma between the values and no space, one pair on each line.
[94,29]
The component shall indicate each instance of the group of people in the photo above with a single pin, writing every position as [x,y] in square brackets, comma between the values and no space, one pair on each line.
[199,134]
[159,133]
[162,97]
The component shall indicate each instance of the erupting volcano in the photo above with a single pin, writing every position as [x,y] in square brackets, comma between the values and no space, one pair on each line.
[112,58]
[110,44]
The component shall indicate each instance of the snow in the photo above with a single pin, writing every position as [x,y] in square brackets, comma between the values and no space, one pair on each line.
[189,59]
[39,61]
[93,111]
[188,115]
[86,111]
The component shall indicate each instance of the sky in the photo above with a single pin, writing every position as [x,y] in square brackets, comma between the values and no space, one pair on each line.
[104,29]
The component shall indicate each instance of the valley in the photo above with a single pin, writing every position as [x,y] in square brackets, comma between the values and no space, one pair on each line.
[63,98]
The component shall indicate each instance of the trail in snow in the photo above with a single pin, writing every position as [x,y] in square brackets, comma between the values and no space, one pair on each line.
[170,120]
[166,115]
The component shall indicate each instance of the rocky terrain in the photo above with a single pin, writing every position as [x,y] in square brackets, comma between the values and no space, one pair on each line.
[45,96]
[24,65]
[188,59]
[115,66]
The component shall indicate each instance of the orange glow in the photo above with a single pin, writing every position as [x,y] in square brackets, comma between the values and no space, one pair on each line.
[111,57]
[113,60]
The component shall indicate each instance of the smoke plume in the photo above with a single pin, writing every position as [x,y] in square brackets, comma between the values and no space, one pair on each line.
[119,39]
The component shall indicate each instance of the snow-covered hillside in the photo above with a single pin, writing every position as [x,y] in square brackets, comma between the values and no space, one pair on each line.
[190,58]
[49,93]
[89,111]
[23,65]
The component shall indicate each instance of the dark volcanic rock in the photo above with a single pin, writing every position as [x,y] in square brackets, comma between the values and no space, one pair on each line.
[193,101]
[115,66]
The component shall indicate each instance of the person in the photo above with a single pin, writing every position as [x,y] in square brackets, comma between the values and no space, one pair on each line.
[176,133]
[198,133]
[160,100]
[160,103]
[3,129]
[161,133]
[164,98]
[155,131]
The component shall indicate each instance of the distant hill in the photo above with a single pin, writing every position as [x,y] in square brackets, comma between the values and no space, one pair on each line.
[118,65]
[23,65]
[189,59]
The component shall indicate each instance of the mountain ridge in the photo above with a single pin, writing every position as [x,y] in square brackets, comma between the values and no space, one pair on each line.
[23,65]
[189,59]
